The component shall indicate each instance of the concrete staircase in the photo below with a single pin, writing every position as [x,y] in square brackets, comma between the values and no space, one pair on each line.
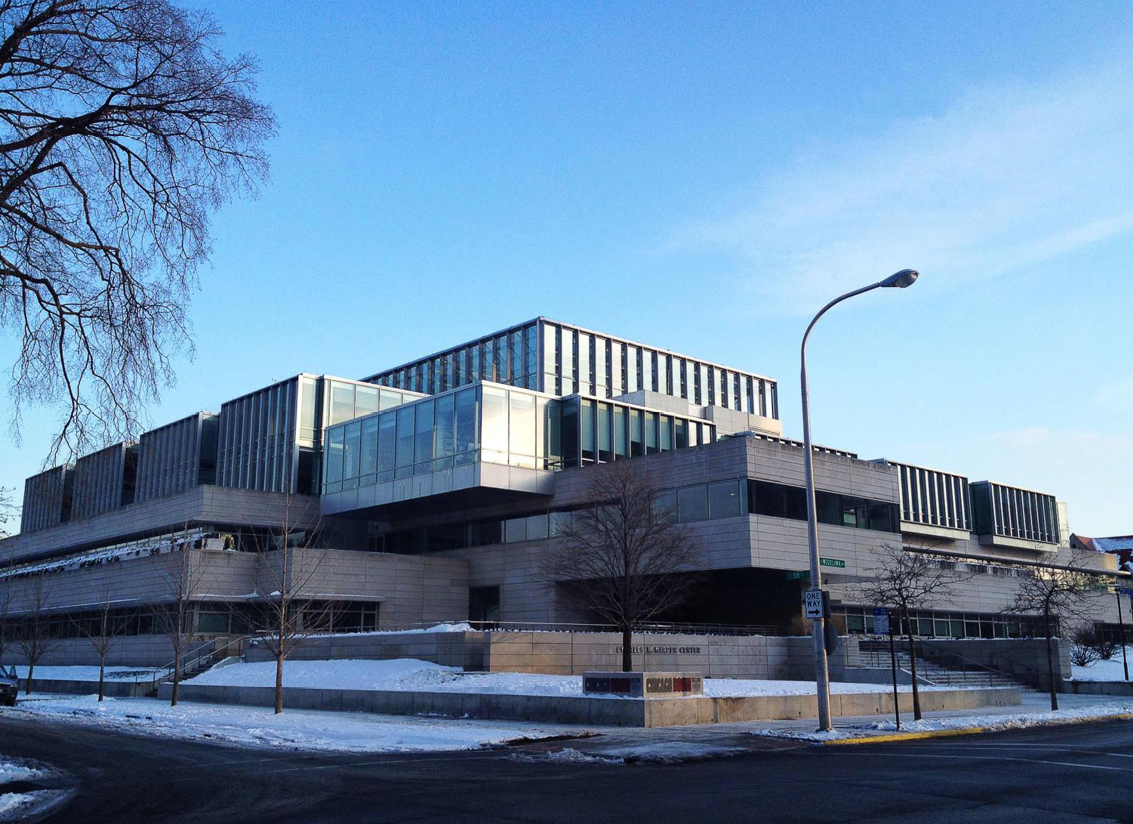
[959,674]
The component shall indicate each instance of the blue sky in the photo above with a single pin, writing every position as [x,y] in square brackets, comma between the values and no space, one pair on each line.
[704,177]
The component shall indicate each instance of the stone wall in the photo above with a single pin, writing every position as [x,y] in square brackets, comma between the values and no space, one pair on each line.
[572,653]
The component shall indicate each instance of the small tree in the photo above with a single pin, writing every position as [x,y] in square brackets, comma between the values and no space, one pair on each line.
[99,632]
[288,614]
[5,616]
[8,511]
[35,640]
[625,557]
[182,579]
[1056,594]
[909,577]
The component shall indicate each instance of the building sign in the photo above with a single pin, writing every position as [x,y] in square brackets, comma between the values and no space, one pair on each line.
[660,650]
[881,620]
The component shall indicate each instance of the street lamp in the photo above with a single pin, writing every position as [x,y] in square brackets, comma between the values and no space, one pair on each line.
[902,279]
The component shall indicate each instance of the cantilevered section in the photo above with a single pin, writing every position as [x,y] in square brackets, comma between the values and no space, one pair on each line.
[1011,516]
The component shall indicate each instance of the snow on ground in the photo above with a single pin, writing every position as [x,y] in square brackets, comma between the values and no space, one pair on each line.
[1003,721]
[1111,670]
[293,729]
[16,805]
[12,771]
[407,674]
[13,804]
[88,673]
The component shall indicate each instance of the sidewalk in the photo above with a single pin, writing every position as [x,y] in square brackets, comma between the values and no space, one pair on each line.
[673,744]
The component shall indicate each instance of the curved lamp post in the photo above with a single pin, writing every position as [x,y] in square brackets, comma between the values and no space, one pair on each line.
[906,277]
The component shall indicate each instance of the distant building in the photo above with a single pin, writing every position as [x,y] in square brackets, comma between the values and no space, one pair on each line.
[1120,546]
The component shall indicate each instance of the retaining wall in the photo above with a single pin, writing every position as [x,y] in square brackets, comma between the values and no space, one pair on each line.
[572,653]
[590,710]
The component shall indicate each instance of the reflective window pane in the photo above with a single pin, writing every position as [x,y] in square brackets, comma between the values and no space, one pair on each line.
[341,402]
[493,425]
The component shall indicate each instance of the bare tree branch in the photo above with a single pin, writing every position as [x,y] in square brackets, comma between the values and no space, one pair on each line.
[122,129]
[909,577]
[289,614]
[1059,594]
[624,557]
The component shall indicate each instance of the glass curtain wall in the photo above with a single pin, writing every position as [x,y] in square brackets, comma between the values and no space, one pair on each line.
[487,422]
[599,431]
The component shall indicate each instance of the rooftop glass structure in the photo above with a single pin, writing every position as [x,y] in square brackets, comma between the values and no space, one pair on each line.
[560,359]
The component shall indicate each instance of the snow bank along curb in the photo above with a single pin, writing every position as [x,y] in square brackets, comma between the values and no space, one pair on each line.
[601,711]
[945,733]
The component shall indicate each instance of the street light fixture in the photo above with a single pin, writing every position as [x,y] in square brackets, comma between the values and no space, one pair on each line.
[900,280]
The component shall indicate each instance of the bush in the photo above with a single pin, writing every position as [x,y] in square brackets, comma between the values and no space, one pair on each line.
[1084,647]
[1106,649]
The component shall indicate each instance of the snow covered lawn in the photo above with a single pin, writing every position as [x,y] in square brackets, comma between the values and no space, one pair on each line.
[1005,721]
[1111,670]
[294,729]
[407,674]
[88,673]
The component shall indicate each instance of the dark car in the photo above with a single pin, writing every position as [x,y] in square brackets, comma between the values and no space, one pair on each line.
[9,686]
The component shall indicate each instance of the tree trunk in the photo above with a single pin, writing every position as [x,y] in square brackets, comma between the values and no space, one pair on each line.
[1050,664]
[279,683]
[913,667]
[101,675]
[31,672]
[176,677]
[627,649]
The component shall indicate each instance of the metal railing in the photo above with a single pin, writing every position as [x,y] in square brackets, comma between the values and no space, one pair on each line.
[653,627]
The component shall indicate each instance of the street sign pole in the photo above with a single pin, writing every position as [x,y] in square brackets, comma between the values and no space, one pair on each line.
[1121,623]
[882,616]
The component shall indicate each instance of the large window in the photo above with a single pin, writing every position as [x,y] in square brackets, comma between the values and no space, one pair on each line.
[782,501]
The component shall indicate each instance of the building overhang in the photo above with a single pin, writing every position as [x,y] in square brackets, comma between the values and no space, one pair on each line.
[1017,543]
[461,487]
[928,531]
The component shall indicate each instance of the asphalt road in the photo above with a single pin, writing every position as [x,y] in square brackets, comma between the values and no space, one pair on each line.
[1081,773]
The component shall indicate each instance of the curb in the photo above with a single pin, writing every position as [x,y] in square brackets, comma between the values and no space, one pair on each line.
[913,736]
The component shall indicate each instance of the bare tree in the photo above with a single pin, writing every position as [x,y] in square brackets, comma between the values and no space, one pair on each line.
[8,511]
[1057,594]
[909,577]
[625,558]
[289,615]
[100,633]
[5,615]
[122,129]
[34,639]
[183,577]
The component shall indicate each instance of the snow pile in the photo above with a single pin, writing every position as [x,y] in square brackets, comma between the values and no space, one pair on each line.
[11,804]
[293,729]
[1111,670]
[16,805]
[411,675]
[11,771]
[1007,721]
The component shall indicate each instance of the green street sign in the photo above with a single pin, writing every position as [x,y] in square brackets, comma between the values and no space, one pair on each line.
[832,562]
[798,574]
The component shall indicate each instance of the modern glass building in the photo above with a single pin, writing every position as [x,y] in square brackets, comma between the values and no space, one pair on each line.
[435,490]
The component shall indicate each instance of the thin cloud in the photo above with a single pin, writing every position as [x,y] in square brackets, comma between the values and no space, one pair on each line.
[1006,178]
